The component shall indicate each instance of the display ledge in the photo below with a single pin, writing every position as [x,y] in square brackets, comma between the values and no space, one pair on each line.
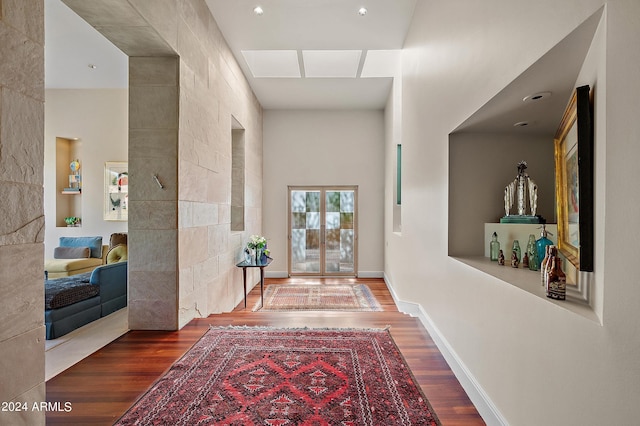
[528,281]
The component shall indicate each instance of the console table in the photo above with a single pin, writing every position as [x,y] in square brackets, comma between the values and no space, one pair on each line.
[244,265]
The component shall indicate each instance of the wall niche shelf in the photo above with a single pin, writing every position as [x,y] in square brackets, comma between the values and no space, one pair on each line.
[67,150]
[486,147]
[528,281]
[525,279]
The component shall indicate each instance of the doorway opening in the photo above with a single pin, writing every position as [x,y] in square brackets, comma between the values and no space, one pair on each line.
[323,231]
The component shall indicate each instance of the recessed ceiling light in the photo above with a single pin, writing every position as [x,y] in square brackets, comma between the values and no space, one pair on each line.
[92,66]
[258,10]
[362,11]
[521,124]
[536,96]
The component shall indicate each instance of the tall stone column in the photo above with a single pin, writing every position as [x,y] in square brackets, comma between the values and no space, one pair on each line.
[153,210]
[21,209]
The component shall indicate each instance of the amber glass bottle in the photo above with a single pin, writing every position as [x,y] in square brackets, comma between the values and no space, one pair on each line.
[550,251]
[557,280]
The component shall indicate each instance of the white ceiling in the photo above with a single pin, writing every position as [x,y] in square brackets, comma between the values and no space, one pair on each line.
[314,34]
[306,37]
[71,45]
[330,39]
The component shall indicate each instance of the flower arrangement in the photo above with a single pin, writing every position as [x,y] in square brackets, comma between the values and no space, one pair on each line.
[257,242]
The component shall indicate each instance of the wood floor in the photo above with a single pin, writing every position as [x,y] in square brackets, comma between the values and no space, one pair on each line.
[103,386]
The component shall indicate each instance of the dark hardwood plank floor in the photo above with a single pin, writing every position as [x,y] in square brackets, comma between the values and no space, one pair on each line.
[103,386]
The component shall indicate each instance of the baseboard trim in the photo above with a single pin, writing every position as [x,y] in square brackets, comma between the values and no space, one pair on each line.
[361,274]
[276,274]
[370,274]
[487,409]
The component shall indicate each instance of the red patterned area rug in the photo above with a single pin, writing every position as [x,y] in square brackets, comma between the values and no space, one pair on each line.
[314,297]
[262,376]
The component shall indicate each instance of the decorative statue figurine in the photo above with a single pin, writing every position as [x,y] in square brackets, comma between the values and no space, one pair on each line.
[514,259]
[522,190]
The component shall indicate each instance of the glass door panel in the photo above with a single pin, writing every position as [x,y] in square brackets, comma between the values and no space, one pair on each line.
[339,243]
[322,231]
[305,231]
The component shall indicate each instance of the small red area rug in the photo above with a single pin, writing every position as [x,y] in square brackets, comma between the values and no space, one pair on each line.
[248,376]
[322,297]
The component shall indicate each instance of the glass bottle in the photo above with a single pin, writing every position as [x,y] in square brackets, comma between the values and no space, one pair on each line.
[516,249]
[532,253]
[533,258]
[550,252]
[542,243]
[556,281]
[494,247]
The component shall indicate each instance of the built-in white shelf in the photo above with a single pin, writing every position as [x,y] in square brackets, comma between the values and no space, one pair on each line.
[530,282]
[523,278]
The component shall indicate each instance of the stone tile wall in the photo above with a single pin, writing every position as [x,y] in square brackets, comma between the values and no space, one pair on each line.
[212,91]
[21,209]
[153,211]
[183,266]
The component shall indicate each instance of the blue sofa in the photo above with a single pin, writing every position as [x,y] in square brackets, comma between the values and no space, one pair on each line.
[111,282]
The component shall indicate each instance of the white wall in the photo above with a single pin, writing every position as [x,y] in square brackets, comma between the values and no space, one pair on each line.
[533,362]
[324,148]
[481,165]
[98,117]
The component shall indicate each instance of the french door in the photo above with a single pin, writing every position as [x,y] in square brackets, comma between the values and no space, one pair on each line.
[323,230]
